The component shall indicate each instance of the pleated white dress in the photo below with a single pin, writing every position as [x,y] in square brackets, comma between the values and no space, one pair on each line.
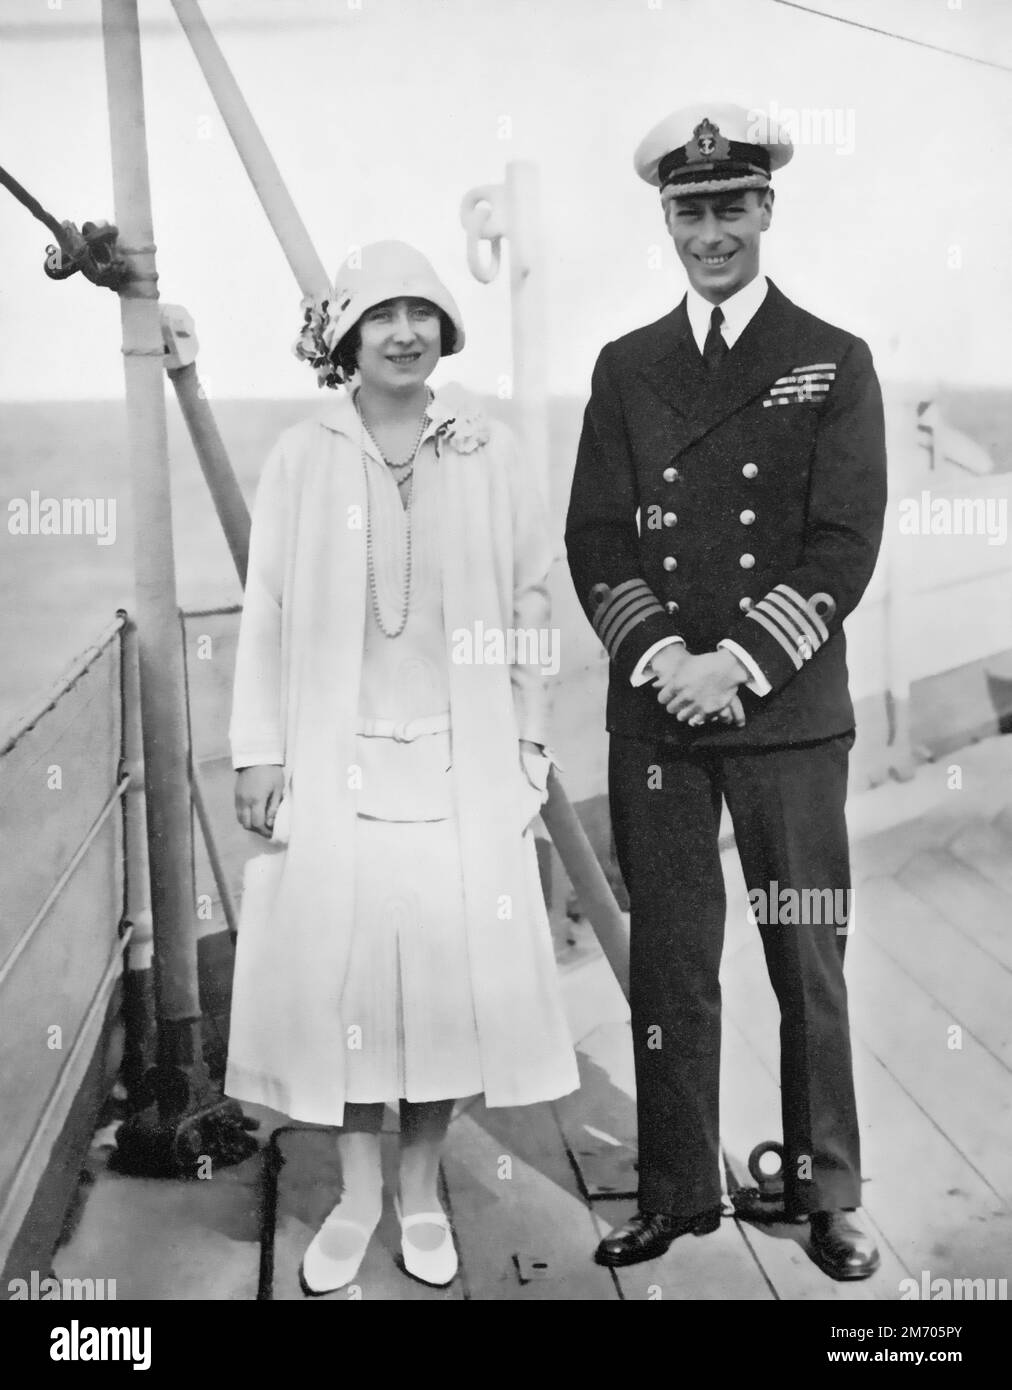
[407,997]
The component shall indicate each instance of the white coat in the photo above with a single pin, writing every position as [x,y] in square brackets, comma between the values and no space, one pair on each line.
[295,702]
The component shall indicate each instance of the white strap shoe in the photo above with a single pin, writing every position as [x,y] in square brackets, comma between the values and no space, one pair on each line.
[335,1253]
[438,1266]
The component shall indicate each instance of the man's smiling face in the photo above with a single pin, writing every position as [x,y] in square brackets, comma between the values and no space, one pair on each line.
[717,238]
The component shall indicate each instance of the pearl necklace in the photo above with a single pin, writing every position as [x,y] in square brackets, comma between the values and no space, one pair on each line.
[408,463]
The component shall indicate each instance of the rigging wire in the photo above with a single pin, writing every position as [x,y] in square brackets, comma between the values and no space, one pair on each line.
[889,34]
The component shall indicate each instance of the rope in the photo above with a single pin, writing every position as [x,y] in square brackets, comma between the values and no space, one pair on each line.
[32,204]
[92,250]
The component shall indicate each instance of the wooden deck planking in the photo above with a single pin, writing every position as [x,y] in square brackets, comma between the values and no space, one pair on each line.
[512,1193]
[965,1091]
[749,1114]
[1002,822]
[598,1123]
[985,849]
[751,1026]
[951,971]
[974,906]
[309,1185]
[165,1239]
[920,1192]
[710,1268]
[887,852]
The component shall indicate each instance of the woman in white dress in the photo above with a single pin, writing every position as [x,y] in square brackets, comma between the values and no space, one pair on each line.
[393,944]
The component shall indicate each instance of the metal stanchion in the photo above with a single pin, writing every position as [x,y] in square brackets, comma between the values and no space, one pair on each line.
[252,149]
[186,1116]
[180,363]
[139,1015]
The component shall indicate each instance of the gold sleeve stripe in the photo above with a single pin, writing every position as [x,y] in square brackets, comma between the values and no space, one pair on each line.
[788,647]
[621,592]
[624,588]
[805,607]
[803,624]
[636,608]
[628,626]
[617,601]
[786,625]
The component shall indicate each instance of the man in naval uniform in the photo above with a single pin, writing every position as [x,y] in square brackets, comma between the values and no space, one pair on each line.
[725,518]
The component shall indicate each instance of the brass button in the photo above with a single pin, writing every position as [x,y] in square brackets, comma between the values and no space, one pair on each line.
[670,518]
[745,604]
[670,475]
[671,606]
[670,563]
[747,562]
[749,471]
[747,517]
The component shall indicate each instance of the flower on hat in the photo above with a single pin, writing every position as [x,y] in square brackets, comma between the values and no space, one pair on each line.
[312,343]
[339,301]
[459,420]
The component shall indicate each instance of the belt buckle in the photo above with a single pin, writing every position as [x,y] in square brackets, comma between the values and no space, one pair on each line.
[400,731]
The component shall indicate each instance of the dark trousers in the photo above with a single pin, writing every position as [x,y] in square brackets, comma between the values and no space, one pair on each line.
[787,808]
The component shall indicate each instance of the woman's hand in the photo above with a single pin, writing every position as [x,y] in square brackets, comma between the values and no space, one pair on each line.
[535,765]
[526,746]
[537,771]
[258,791]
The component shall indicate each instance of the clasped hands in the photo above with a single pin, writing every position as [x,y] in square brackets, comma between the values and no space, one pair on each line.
[699,689]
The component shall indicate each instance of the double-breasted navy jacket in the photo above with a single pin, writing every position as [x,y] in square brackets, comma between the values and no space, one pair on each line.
[745,504]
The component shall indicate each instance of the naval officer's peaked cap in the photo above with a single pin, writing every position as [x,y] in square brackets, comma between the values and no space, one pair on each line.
[712,148]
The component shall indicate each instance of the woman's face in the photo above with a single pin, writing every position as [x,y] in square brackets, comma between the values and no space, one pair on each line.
[400,344]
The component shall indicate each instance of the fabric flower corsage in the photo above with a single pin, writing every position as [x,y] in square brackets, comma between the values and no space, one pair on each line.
[459,420]
[312,343]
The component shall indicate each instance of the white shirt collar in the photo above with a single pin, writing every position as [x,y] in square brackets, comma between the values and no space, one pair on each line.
[739,311]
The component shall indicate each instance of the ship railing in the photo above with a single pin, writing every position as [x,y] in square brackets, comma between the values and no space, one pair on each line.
[66,922]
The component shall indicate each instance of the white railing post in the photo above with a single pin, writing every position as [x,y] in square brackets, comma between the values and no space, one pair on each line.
[491,213]
[512,211]
[530,329]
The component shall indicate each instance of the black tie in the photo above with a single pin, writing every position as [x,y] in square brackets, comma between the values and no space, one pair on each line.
[715,349]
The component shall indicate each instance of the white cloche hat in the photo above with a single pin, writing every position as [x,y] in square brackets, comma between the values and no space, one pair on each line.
[385,270]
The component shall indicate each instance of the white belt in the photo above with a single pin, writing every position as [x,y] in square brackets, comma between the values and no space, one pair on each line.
[403,730]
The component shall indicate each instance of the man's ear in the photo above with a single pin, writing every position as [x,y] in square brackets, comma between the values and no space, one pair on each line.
[767,208]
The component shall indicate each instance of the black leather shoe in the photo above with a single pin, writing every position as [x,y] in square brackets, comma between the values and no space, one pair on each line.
[840,1247]
[649,1234]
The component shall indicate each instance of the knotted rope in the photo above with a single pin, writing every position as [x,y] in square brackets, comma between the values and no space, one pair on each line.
[92,250]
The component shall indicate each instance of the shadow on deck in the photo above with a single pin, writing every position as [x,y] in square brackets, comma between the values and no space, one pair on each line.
[532,1190]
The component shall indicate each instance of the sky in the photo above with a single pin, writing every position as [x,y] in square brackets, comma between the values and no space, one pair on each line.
[381,114]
